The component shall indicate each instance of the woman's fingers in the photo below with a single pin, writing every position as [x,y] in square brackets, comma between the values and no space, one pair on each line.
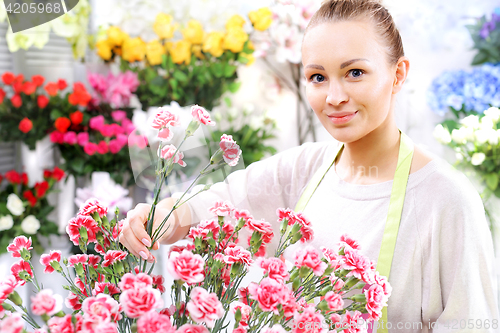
[137,219]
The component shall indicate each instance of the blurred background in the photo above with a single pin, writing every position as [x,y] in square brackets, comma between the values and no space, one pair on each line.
[77,94]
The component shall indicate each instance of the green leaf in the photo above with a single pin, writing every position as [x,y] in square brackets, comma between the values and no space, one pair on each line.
[228,102]
[234,86]
[480,58]
[229,70]
[55,113]
[217,69]
[173,83]
[491,181]
[164,61]
[181,76]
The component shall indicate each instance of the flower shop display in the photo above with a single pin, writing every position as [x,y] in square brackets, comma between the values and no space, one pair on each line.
[114,291]
[199,67]
[486,36]
[24,210]
[27,110]
[279,47]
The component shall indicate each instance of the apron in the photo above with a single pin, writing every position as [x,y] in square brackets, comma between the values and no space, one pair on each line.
[395,207]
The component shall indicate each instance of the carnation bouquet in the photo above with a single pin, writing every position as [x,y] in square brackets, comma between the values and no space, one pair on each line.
[114,291]
[24,209]
[199,67]
[26,113]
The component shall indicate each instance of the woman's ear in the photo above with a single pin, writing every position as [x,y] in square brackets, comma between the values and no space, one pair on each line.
[402,68]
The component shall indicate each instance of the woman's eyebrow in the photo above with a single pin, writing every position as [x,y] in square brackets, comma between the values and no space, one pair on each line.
[316,66]
[347,63]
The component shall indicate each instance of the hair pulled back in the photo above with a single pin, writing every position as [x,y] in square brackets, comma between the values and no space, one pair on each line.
[348,10]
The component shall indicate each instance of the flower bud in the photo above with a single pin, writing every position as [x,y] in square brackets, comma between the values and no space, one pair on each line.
[55,265]
[283,226]
[237,316]
[105,223]
[84,237]
[25,276]
[118,267]
[255,238]
[8,307]
[97,218]
[241,224]
[217,157]
[79,271]
[100,238]
[295,229]
[15,298]
[192,127]
[92,273]
[294,274]
[351,282]
[361,298]
[304,271]
[325,290]
[360,285]
[323,305]
[296,284]
[211,242]
[25,254]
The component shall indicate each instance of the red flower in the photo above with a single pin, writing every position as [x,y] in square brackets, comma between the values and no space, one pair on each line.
[51,88]
[17,268]
[78,259]
[102,147]
[62,124]
[24,178]
[8,78]
[113,256]
[47,174]
[29,88]
[57,174]
[42,101]
[86,222]
[19,78]
[1,178]
[16,101]
[90,148]
[19,243]
[76,117]
[2,95]
[25,125]
[28,195]
[80,95]
[101,286]
[38,80]
[61,84]
[57,137]
[41,188]
[46,259]
[13,177]
[91,206]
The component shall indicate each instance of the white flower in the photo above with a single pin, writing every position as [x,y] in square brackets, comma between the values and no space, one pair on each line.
[493,113]
[6,222]
[459,135]
[15,205]
[470,121]
[477,158]
[482,136]
[441,134]
[487,123]
[30,225]
[459,157]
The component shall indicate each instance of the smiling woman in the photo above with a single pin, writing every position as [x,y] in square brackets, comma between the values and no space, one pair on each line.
[422,220]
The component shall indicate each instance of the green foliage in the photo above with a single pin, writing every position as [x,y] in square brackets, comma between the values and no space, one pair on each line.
[488,49]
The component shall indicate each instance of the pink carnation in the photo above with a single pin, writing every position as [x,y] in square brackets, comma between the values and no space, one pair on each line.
[204,307]
[70,138]
[100,309]
[240,329]
[44,302]
[269,293]
[65,324]
[242,214]
[201,115]
[46,259]
[77,259]
[190,328]
[122,139]
[346,240]
[168,152]
[100,288]
[351,322]
[130,281]
[237,254]
[113,256]
[20,242]
[115,146]
[334,301]
[245,311]
[310,321]
[7,287]
[90,148]
[102,147]
[222,208]
[13,323]
[82,138]
[375,301]
[355,262]
[118,115]
[275,268]
[73,302]
[17,268]
[277,328]
[80,221]
[262,227]
[310,257]
[153,321]
[91,206]
[138,301]
[186,266]
[203,229]
[158,281]
[231,149]
[57,137]
[97,122]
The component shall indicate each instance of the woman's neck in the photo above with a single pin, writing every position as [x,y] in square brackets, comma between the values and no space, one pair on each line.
[371,159]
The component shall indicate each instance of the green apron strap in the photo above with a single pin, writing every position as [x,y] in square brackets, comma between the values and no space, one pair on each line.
[396,202]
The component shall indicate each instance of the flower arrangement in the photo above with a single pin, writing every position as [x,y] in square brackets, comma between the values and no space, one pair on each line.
[486,36]
[24,209]
[115,291]
[476,143]
[199,67]
[26,113]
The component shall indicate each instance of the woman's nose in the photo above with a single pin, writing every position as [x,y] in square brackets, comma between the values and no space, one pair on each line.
[336,94]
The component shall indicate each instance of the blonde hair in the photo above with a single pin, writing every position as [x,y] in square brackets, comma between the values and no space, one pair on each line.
[347,10]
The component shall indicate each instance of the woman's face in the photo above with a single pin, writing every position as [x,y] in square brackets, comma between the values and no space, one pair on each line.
[348,74]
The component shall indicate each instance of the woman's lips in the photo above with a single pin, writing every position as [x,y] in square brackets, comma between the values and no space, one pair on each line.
[341,117]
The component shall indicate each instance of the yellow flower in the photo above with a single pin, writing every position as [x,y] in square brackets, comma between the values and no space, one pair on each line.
[234,40]
[213,44]
[261,19]
[236,21]
[197,52]
[116,36]
[180,51]
[250,58]
[134,49]
[194,32]
[163,26]
[154,51]
[104,49]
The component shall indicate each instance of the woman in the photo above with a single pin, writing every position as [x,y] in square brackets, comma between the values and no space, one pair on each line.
[441,252]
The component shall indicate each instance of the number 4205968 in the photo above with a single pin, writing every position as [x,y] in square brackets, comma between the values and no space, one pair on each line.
[33,8]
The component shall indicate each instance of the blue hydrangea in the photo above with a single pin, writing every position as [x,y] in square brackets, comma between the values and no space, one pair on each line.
[475,90]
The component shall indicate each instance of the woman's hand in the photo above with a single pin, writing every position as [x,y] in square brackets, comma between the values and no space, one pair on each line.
[135,237]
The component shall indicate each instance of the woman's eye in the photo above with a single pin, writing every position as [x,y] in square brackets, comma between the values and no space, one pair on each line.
[356,72]
[317,78]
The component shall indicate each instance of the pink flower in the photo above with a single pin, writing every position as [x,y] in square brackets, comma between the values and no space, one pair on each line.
[138,301]
[130,281]
[121,88]
[93,205]
[334,301]
[186,266]
[330,255]
[118,115]
[106,327]
[46,303]
[70,138]
[116,129]
[201,115]
[168,152]
[375,301]
[351,323]
[80,221]
[100,288]
[90,148]
[122,139]
[275,268]
[100,309]
[159,281]
[355,262]
[286,214]
[166,134]
[164,118]
[231,150]
[277,328]
[310,257]
[240,329]
[97,123]
[19,243]
[245,311]
[102,147]
[308,321]
[262,227]
[152,321]
[269,294]
[106,131]
[242,214]
[13,323]
[77,259]
[82,138]
[46,259]
[190,328]
[94,260]
[222,208]
[65,324]
[115,146]
[237,254]
[307,233]
[289,303]
[338,283]
[21,267]
[7,287]
[203,228]
[73,302]
[57,137]
[346,240]
[204,307]
[113,256]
